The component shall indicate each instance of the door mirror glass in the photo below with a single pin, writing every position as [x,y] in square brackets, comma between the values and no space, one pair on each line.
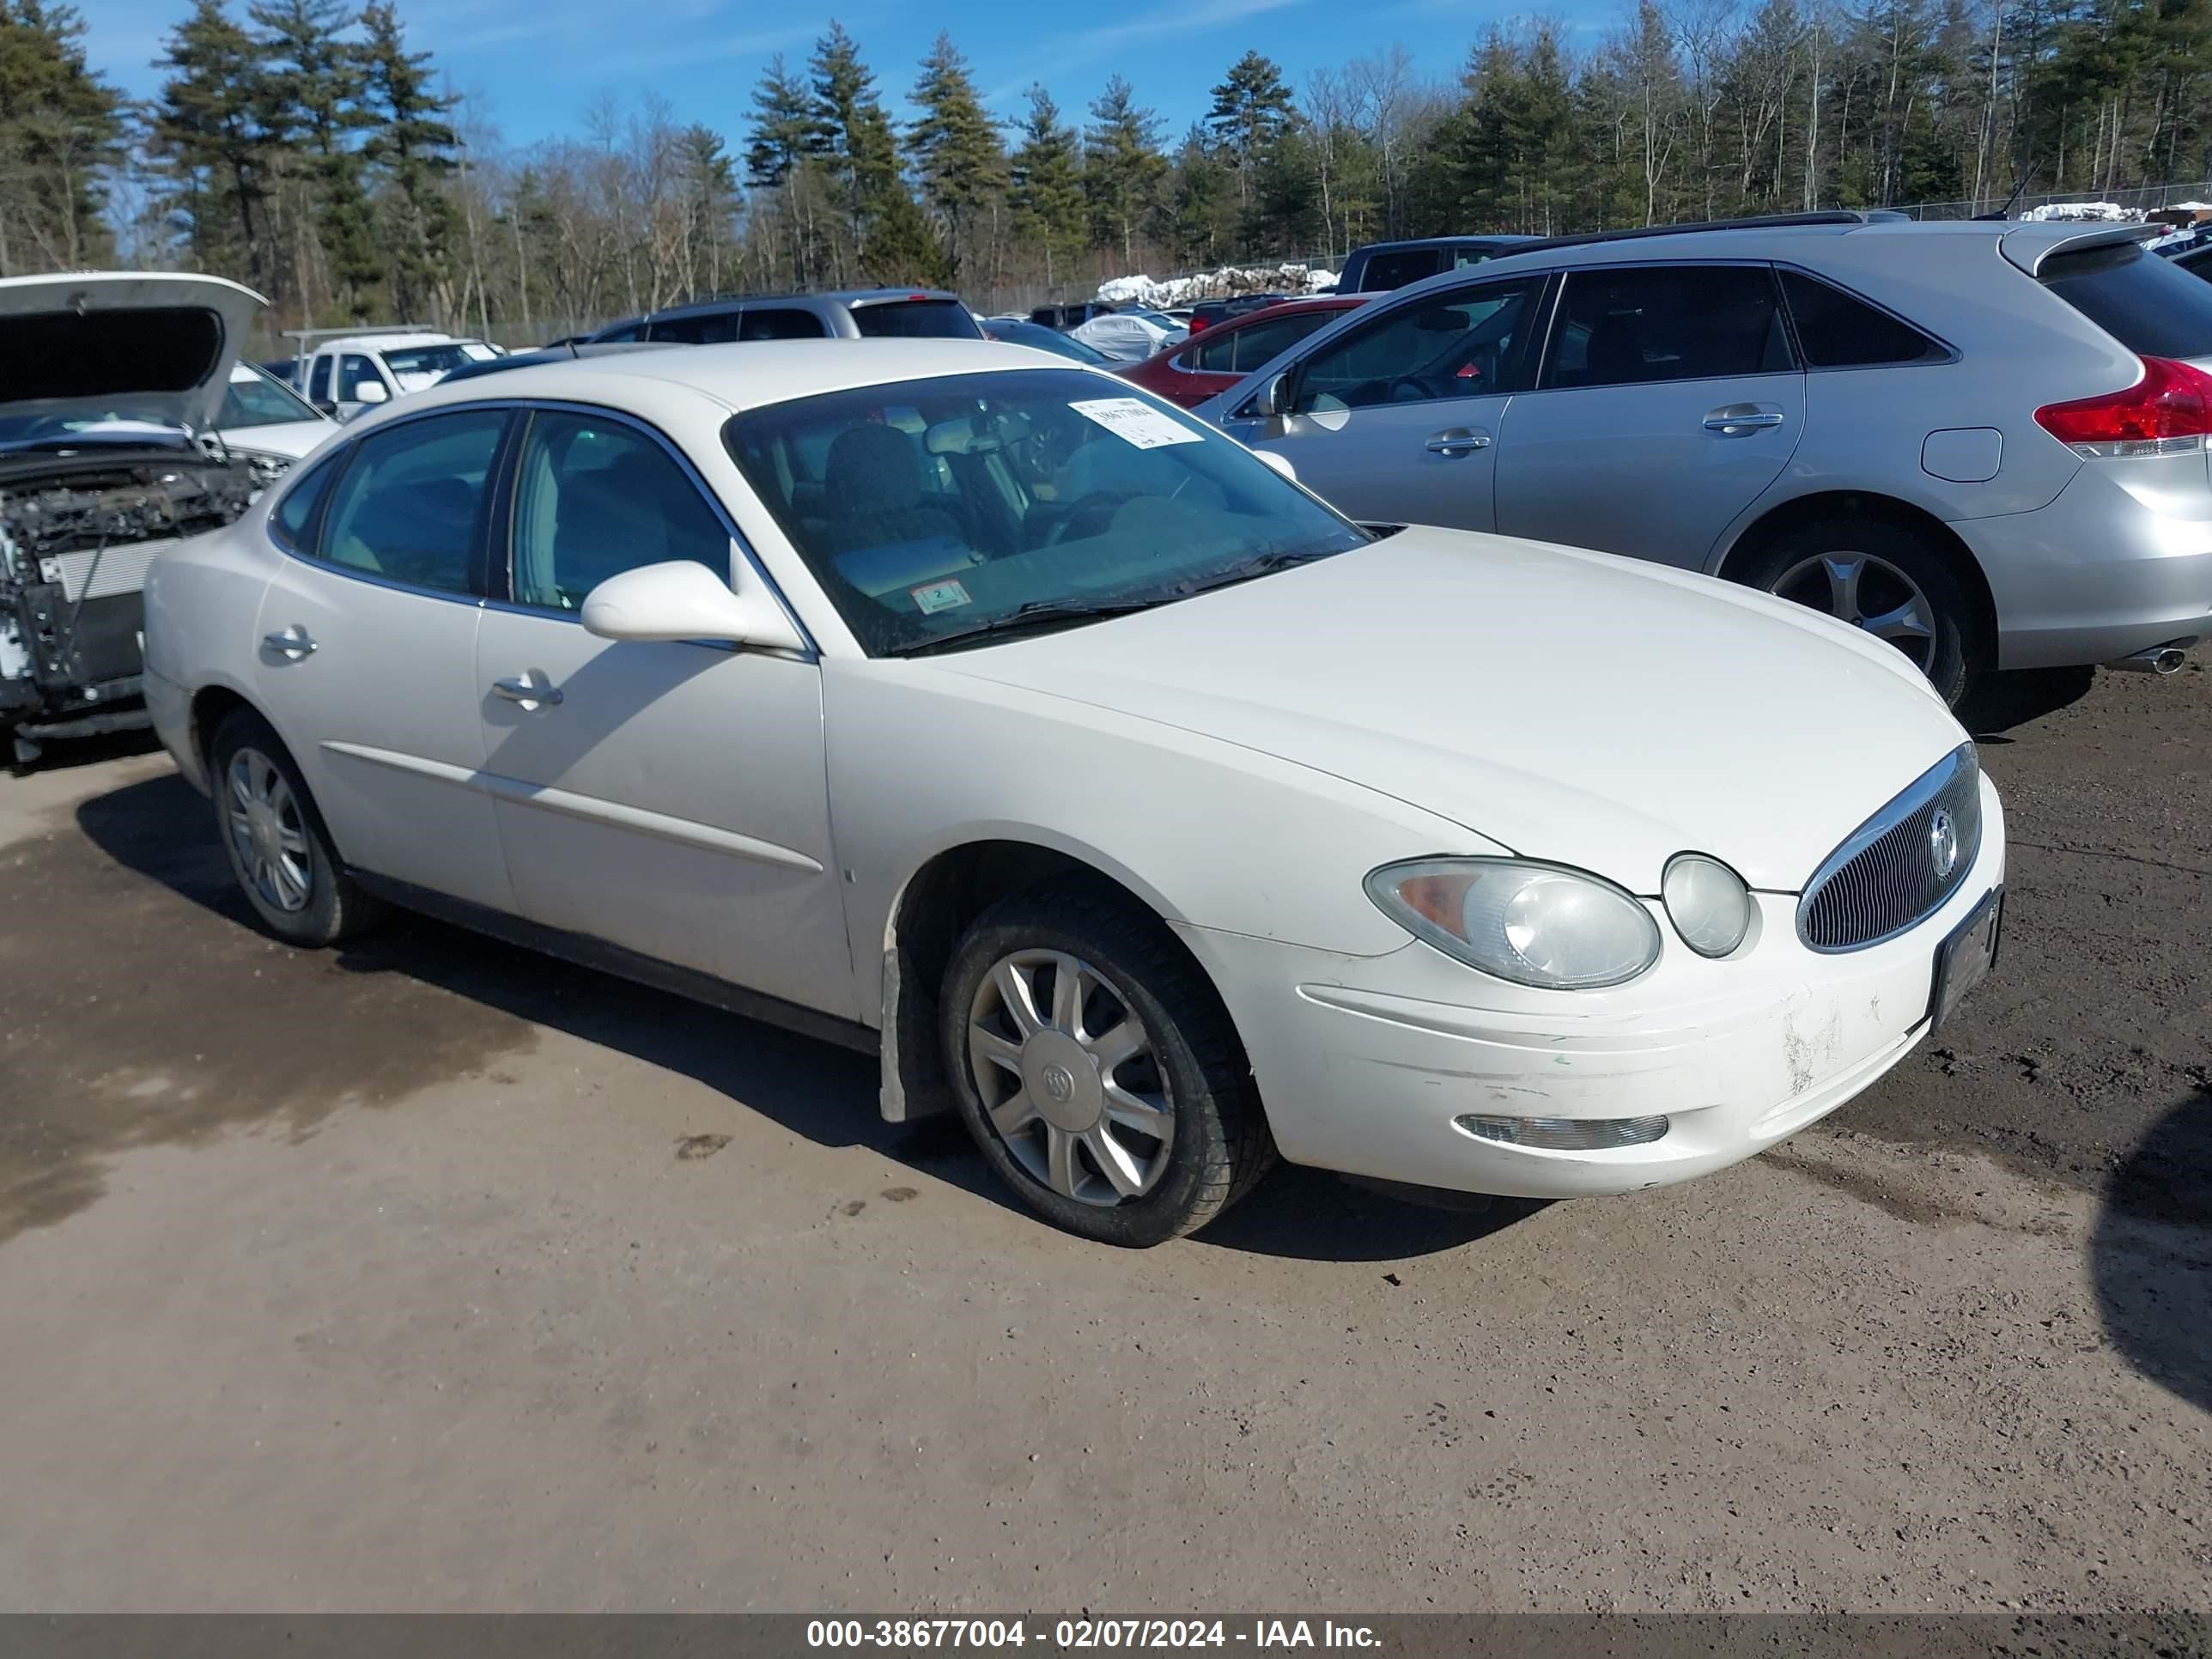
[1278,463]
[682,599]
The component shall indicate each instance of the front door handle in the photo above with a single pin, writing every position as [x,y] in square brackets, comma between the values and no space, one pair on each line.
[294,644]
[1737,420]
[530,688]
[1457,440]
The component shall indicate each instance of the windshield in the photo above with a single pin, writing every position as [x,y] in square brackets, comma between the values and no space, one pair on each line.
[1040,339]
[253,399]
[416,367]
[930,508]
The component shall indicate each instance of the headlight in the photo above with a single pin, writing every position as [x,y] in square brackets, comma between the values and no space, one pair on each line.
[1707,902]
[1535,924]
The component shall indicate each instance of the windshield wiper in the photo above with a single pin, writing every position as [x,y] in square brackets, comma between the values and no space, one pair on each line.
[1038,613]
[1259,564]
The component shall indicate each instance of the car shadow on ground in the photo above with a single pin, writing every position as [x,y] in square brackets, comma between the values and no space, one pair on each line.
[2151,1255]
[364,1018]
[2003,702]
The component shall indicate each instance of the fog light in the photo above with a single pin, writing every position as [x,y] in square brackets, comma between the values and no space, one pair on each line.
[1564,1134]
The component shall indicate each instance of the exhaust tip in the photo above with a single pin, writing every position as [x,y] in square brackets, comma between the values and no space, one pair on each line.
[2159,660]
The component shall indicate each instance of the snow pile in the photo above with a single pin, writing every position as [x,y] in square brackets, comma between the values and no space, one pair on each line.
[1224,283]
[2103,212]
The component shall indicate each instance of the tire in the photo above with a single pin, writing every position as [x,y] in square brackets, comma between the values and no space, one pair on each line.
[303,894]
[1215,1145]
[1892,564]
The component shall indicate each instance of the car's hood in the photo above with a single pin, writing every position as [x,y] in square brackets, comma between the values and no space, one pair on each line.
[1569,706]
[147,345]
[288,438]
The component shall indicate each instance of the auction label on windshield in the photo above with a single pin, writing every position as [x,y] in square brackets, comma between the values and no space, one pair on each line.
[1134,421]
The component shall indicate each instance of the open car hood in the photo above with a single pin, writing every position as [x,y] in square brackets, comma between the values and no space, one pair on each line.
[131,345]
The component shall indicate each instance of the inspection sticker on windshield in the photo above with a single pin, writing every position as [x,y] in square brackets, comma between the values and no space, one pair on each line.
[933,596]
[1134,421]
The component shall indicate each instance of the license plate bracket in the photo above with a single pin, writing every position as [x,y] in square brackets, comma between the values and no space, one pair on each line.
[1965,959]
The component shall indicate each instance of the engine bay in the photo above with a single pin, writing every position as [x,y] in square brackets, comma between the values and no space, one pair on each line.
[77,533]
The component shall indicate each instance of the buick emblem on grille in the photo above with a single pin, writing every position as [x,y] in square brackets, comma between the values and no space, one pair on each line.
[1942,844]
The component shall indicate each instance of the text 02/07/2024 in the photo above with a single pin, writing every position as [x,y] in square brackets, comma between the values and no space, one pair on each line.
[1084,1632]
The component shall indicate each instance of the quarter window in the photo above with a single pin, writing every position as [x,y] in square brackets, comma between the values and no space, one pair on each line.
[410,506]
[594,498]
[1836,329]
[781,323]
[318,381]
[1463,343]
[1667,323]
[294,516]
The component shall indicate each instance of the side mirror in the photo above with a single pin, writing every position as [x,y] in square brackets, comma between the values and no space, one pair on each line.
[1274,396]
[1278,463]
[683,599]
[371,392]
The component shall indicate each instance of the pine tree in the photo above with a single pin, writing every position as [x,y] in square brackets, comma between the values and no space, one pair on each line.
[852,130]
[784,128]
[412,146]
[208,137]
[319,81]
[1047,182]
[1251,111]
[710,190]
[954,146]
[61,132]
[1122,168]
[903,249]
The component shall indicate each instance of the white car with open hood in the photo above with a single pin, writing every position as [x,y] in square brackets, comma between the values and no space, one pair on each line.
[979,710]
[113,388]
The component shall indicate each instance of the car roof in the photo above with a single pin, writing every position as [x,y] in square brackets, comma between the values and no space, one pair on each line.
[386,341]
[751,375]
[1493,238]
[841,296]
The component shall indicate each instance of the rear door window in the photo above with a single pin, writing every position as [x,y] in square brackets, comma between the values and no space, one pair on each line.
[2138,298]
[707,328]
[1401,266]
[1836,329]
[916,320]
[411,506]
[318,381]
[780,323]
[1261,343]
[1652,323]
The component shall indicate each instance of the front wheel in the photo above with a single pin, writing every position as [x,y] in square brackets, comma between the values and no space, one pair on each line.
[1097,1069]
[1884,579]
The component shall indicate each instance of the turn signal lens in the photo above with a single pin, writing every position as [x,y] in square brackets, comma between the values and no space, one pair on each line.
[1535,924]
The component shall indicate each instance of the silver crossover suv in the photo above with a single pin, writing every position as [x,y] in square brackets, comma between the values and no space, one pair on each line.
[1984,442]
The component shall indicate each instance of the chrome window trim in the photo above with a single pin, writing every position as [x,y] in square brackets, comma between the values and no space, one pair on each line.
[1915,795]
[743,548]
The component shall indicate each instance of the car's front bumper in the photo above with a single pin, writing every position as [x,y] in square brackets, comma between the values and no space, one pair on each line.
[1365,1063]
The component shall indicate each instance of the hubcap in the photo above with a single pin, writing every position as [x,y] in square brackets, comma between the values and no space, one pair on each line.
[1868,592]
[1068,1076]
[268,833]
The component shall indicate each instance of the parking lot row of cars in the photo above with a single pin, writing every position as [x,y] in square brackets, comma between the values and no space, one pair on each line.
[1167,790]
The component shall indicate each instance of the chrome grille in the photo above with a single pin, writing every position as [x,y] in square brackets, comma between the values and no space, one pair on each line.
[1890,873]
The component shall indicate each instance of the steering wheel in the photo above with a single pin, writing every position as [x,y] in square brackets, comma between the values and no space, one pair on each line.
[1409,389]
[1090,515]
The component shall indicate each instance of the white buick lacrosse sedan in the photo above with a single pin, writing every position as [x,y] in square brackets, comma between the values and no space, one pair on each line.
[959,703]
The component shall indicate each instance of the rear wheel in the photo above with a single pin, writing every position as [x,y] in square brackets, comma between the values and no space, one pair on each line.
[1887,581]
[279,851]
[1097,1069]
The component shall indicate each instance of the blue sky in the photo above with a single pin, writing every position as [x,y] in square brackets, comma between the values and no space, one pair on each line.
[533,66]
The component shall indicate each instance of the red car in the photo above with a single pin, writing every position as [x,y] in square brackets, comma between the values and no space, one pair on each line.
[1215,360]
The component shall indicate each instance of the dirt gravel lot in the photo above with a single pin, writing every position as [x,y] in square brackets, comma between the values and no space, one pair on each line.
[432,1274]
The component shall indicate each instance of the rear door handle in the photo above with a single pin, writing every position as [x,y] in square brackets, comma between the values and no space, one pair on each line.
[530,688]
[294,644]
[1736,420]
[1457,440]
